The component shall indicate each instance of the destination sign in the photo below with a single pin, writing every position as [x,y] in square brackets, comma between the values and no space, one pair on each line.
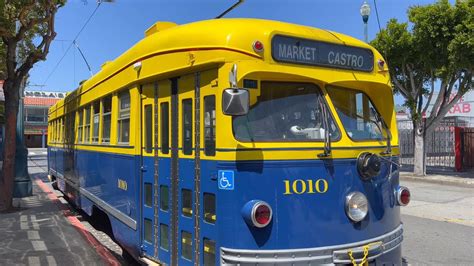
[309,52]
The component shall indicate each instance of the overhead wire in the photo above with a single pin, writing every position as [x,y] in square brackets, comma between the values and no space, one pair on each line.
[73,41]
[377,15]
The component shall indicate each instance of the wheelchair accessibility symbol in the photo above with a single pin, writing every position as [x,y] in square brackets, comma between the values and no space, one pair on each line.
[226,179]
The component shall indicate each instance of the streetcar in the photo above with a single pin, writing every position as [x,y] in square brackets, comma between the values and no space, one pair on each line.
[237,142]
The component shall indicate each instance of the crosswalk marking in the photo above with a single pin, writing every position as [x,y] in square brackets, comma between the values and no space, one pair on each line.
[34,261]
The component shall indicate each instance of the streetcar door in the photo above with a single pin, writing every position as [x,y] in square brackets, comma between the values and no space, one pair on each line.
[148,177]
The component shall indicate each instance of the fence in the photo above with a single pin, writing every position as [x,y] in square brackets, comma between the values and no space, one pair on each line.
[439,143]
[467,148]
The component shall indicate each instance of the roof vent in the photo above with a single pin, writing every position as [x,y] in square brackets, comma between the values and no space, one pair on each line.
[159,26]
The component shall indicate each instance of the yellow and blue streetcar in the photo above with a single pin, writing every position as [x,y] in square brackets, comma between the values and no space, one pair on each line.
[237,142]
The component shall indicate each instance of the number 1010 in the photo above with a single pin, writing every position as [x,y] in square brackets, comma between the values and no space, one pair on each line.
[309,186]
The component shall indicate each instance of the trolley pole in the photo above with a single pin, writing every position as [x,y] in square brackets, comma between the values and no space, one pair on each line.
[365,12]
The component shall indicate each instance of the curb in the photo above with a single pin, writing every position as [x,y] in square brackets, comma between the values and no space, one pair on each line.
[439,179]
[103,252]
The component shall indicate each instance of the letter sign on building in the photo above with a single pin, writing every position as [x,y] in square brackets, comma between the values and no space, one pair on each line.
[309,52]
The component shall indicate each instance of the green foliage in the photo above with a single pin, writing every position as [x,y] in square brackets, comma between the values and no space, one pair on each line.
[24,24]
[445,34]
[437,44]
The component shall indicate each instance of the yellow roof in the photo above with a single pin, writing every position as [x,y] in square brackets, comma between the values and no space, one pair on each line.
[236,34]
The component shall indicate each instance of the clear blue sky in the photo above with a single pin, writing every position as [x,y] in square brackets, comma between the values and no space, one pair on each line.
[119,25]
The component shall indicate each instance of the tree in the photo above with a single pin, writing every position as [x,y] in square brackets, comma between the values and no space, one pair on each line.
[26,31]
[431,60]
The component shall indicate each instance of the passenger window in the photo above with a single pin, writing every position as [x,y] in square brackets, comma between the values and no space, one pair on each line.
[87,124]
[187,201]
[148,128]
[96,120]
[209,252]
[186,245]
[124,118]
[148,231]
[164,237]
[210,125]
[148,194]
[187,139]
[164,198]
[80,125]
[165,144]
[106,118]
[210,208]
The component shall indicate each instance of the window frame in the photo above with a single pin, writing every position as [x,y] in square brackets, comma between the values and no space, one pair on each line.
[320,93]
[210,150]
[123,115]
[187,110]
[95,138]
[383,139]
[106,140]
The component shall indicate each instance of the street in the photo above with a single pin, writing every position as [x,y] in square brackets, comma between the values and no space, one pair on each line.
[438,222]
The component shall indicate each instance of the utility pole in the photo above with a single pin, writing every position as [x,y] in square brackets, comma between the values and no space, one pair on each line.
[22,183]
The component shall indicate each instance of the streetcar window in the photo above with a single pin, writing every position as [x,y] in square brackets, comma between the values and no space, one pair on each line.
[187,202]
[186,245]
[80,125]
[148,128]
[164,237]
[285,112]
[62,130]
[124,118]
[165,123]
[96,121]
[210,208]
[148,230]
[357,113]
[164,198]
[106,118]
[148,194]
[210,125]
[87,124]
[209,247]
[187,120]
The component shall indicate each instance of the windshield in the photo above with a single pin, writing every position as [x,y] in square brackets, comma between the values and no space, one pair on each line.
[284,112]
[357,113]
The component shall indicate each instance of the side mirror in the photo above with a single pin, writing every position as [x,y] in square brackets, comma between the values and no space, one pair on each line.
[235,101]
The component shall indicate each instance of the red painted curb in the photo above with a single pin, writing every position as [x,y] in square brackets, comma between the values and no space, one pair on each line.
[103,252]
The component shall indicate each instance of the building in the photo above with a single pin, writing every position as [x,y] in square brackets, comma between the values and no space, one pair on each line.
[36,105]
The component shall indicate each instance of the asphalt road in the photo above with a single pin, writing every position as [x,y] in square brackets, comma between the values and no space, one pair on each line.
[438,223]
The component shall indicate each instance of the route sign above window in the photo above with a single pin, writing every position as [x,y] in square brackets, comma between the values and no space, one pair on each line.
[308,52]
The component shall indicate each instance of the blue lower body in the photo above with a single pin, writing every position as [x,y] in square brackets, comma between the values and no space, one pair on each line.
[305,215]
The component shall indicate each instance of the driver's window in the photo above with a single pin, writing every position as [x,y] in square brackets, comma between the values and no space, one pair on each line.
[357,113]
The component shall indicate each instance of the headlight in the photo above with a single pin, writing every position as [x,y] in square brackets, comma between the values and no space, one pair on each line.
[356,206]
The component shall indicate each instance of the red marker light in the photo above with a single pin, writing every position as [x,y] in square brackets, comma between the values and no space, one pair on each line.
[403,196]
[263,215]
[258,46]
[381,64]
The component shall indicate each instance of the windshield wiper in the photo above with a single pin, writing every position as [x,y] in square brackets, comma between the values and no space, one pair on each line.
[327,135]
[387,130]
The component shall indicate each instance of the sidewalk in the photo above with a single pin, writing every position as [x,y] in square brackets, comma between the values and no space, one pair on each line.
[43,231]
[464,179]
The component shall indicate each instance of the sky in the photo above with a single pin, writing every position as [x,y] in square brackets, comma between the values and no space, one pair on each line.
[117,26]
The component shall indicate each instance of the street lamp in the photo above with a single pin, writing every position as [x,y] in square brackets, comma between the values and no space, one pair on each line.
[365,12]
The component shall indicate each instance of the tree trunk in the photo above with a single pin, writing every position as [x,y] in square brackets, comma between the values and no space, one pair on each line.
[11,91]
[419,148]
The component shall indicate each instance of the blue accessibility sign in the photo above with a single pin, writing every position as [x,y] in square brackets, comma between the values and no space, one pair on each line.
[226,179]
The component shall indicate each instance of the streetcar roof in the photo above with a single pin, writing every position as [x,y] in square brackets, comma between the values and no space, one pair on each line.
[236,34]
